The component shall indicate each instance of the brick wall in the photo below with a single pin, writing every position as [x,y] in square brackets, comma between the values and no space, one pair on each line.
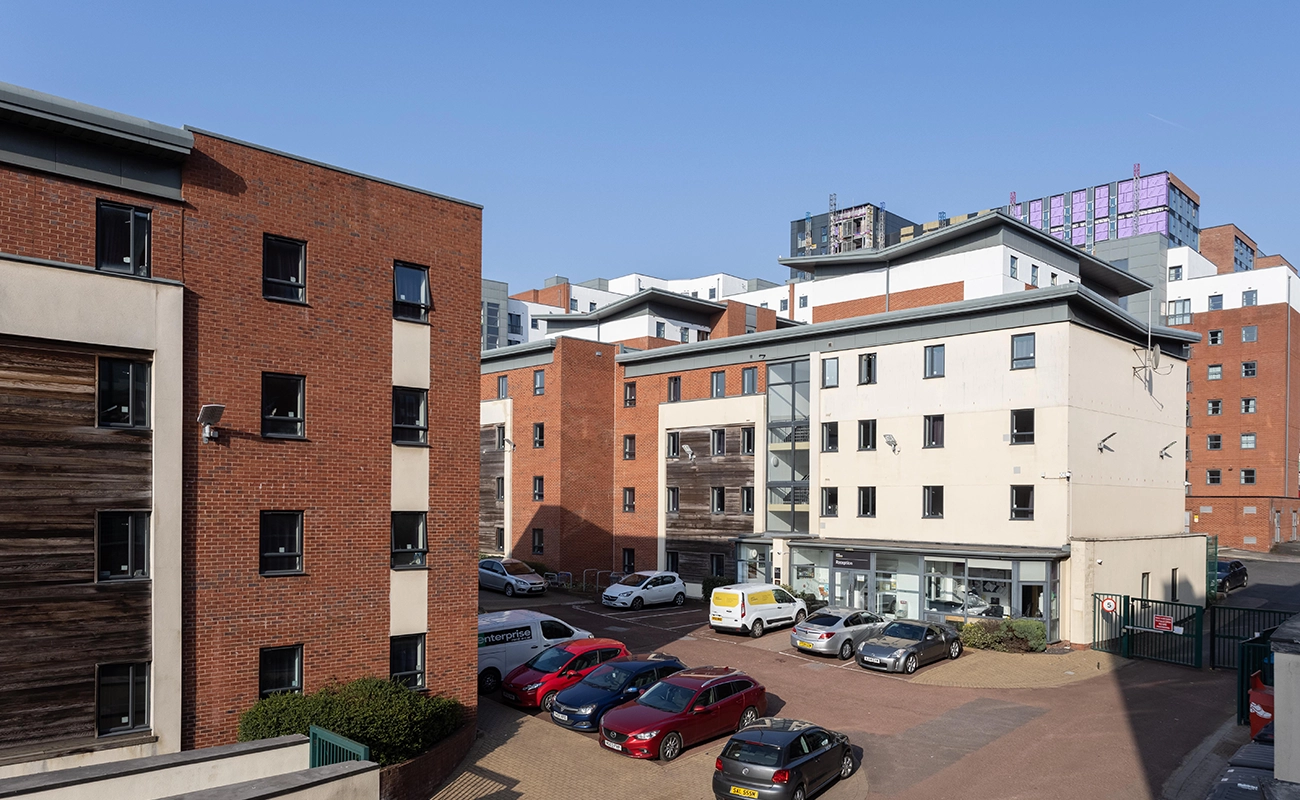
[1216,244]
[557,295]
[731,322]
[1245,523]
[912,298]
[646,343]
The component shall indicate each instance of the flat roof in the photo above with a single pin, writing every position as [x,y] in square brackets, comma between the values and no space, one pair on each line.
[651,295]
[80,120]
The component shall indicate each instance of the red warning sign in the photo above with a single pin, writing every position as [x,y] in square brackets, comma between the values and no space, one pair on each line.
[1109,605]
[1164,623]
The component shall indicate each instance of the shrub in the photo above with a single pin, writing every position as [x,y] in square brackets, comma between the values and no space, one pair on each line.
[1005,636]
[1032,632]
[394,721]
[712,583]
[982,634]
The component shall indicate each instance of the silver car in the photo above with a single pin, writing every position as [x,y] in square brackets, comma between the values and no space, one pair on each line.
[510,576]
[835,631]
[906,644]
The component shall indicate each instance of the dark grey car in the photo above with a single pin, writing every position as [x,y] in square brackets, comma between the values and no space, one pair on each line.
[781,759]
[906,644]
[835,631]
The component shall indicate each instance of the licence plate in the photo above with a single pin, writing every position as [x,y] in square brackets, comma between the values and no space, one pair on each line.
[559,716]
[744,792]
[870,660]
[801,644]
[509,695]
[617,747]
[716,618]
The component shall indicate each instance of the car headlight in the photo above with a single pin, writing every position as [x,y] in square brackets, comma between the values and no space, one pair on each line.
[624,594]
[899,653]
[647,735]
[586,709]
[522,584]
[533,686]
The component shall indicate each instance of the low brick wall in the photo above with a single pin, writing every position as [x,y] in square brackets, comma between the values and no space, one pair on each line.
[420,777]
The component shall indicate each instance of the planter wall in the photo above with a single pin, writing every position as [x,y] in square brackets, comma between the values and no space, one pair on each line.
[419,778]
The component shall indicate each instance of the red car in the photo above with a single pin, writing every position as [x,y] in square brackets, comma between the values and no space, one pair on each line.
[555,669]
[682,709]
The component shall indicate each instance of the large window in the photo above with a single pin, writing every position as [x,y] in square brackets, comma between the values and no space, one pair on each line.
[629,499]
[123,239]
[866,501]
[280,670]
[284,269]
[283,405]
[1022,426]
[866,434]
[830,501]
[717,384]
[867,368]
[410,539]
[1022,502]
[411,300]
[749,380]
[410,416]
[122,546]
[934,358]
[932,502]
[830,373]
[122,698]
[123,400]
[675,389]
[539,381]
[933,430]
[830,437]
[1022,351]
[406,660]
[1180,312]
[281,543]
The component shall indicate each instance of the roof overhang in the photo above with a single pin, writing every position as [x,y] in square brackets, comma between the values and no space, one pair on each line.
[47,112]
[902,546]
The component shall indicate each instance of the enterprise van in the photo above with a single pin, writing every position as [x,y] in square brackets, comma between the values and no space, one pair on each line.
[507,639]
[752,608]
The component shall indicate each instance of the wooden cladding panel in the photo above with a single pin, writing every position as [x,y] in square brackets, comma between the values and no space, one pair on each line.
[695,478]
[492,512]
[693,556]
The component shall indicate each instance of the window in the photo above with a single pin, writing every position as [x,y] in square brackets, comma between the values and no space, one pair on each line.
[1216,337]
[406,660]
[501,539]
[830,501]
[122,692]
[515,324]
[866,434]
[1248,441]
[1248,369]
[1248,405]
[629,500]
[503,387]
[1022,426]
[573,304]
[830,437]
[629,395]
[591,306]
[410,416]
[673,561]
[122,545]
[1248,477]
[933,430]
[1213,477]
[539,541]
[934,361]
[1250,333]
[411,299]
[122,239]
[533,323]
[501,437]
[660,330]
[410,544]
[280,670]
[1033,274]
[867,368]
[1022,502]
[1250,297]
[1214,408]
[718,384]
[713,294]
[1173,585]
[1015,268]
[1214,372]
[539,487]
[1214,441]
[1216,302]
[1055,278]
[1022,351]
[123,400]
[747,441]
[539,381]
[830,373]
[281,542]
[674,444]
[932,502]
[629,447]
[749,380]
[501,488]
[1180,312]
[866,501]
[803,301]
[282,405]
[716,565]
[539,434]
[675,389]
[629,560]
[717,500]
[674,498]
[686,335]
[718,441]
[1146,584]
[1175,273]
[785,304]
[747,499]
[284,269]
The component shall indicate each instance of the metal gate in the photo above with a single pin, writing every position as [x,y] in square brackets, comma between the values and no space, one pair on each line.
[1230,626]
[1135,627]
[1211,568]
[330,748]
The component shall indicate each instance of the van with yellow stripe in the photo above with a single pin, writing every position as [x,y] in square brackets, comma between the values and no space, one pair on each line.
[752,608]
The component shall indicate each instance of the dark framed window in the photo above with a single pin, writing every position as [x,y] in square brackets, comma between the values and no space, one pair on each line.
[1248,405]
[122,545]
[867,368]
[283,405]
[747,499]
[629,560]
[1215,302]
[674,499]
[1250,297]
[933,430]
[932,502]
[866,434]
[501,488]
[539,434]
[1213,408]
[411,300]
[539,381]
[717,384]
[123,235]
[1250,333]
[1248,369]
[718,439]
[934,361]
[674,448]
[717,500]
[503,387]
[629,500]
[121,698]
[1022,426]
[1022,351]
[673,560]
[747,441]
[1213,477]
[629,447]
[1214,372]
[1214,441]
[830,373]
[629,395]
[1248,477]
[703,335]
[1216,337]
[281,543]
[539,487]
[406,660]
[284,269]
[866,501]
[675,389]
[410,539]
[123,400]
[1022,502]
[661,330]
[501,437]
[830,501]
[501,539]
[410,416]
[830,437]
[280,670]
[539,541]
[717,564]
[749,380]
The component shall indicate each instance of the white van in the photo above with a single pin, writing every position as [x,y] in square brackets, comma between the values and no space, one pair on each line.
[507,639]
[753,608]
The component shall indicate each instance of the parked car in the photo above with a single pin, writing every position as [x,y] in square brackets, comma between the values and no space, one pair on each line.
[645,588]
[752,608]
[507,639]
[781,759]
[509,575]
[904,645]
[1231,574]
[580,707]
[835,631]
[537,683]
[687,707]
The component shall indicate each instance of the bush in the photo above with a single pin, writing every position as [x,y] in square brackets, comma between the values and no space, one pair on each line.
[394,721]
[538,567]
[1032,632]
[810,600]
[712,583]
[981,634]
[1005,636]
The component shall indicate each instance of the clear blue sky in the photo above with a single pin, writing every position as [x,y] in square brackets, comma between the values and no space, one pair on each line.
[681,138]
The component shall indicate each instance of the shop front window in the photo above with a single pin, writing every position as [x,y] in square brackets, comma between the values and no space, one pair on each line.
[897,586]
[753,566]
[988,588]
[812,573]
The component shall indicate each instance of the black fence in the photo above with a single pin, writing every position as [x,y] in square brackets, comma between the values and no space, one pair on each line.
[1230,626]
[1135,627]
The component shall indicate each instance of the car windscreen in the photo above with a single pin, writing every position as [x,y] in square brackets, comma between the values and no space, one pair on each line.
[900,630]
[518,568]
[762,755]
[635,579]
[825,620]
[668,697]
[550,660]
[608,678]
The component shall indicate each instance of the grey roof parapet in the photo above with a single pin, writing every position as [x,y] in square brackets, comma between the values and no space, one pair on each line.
[652,294]
[80,118]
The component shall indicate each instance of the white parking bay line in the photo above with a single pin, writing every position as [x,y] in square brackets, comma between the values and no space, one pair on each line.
[668,614]
[687,625]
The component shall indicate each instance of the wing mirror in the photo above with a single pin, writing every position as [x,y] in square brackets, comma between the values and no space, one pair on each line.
[697,710]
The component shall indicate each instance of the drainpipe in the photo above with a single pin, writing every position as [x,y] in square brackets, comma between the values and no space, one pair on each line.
[886,285]
[1286,457]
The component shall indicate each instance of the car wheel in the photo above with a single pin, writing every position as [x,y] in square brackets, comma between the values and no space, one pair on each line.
[747,717]
[679,599]
[846,766]
[637,604]
[548,701]
[489,680]
[509,590]
[798,794]
[756,630]
[1244,581]
[954,649]
[910,664]
[671,747]
[846,650]
[800,617]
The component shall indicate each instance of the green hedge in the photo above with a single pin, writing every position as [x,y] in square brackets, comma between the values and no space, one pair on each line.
[1005,636]
[394,721]
[712,583]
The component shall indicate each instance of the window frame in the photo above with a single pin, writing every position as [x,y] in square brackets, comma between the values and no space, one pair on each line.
[1242,477]
[1213,441]
[299,535]
[867,430]
[1254,441]
[271,419]
[673,444]
[718,441]
[629,499]
[1250,298]
[830,437]
[539,488]
[539,435]
[830,501]
[1022,513]
[1253,406]
[1214,372]
[748,440]
[268,283]
[830,373]
[674,388]
[749,380]
[718,384]
[672,503]
[503,387]
[629,394]
[539,382]
[928,439]
[421,427]
[928,496]
[134,671]
[747,500]
[1215,337]
[1214,303]
[1249,369]
[629,447]
[1024,362]
[935,361]
[867,368]
[539,541]
[135,213]
[137,406]
[717,500]
[1213,477]
[420,660]
[294,688]
[866,502]
[1254,334]
[416,310]
[1213,408]
[1020,433]
[411,557]
[138,544]
[717,565]
[501,488]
